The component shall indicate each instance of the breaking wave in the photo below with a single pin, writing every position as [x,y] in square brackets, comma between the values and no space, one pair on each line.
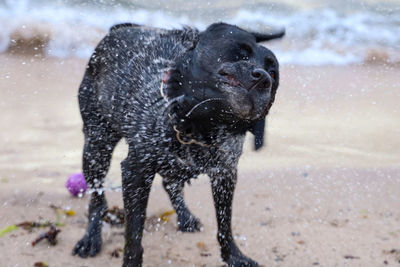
[314,36]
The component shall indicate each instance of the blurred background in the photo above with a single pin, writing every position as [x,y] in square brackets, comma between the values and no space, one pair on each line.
[318,32]
[325,190]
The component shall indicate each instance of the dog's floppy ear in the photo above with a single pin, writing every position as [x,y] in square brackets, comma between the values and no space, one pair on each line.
[262,37]
[258,131]
[189,36]
[173,79]
[124,25]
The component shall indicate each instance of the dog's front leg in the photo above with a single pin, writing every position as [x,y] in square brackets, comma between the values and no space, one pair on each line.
[223,185]
[136,183]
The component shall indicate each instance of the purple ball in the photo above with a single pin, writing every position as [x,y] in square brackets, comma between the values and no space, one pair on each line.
[76,184]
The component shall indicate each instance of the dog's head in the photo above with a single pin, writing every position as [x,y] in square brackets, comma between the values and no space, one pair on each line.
[227,76]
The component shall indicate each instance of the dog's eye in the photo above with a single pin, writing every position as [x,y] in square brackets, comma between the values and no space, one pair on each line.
[272,73]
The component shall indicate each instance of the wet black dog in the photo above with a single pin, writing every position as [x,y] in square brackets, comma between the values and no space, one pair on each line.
[183,100]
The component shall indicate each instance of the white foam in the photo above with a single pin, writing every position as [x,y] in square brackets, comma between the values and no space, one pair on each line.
[325,37]
[313,37]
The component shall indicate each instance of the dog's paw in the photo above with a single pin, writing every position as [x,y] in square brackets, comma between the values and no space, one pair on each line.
[241,261]
[192,224]
[88,246]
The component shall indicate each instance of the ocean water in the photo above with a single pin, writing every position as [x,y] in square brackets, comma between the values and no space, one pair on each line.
[317,32]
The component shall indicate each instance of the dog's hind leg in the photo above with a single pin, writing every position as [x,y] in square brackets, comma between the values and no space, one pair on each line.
[96,161]
[187,222]
[100,141]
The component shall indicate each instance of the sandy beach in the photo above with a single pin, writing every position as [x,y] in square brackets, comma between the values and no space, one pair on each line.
[325,191]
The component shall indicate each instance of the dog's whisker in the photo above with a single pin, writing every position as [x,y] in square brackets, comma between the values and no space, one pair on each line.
[173,100]
[201,103]
[169,103]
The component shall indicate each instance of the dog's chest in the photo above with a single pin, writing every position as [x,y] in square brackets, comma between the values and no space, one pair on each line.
[189,161]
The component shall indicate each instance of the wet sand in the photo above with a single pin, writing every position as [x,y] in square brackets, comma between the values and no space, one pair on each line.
[324,191]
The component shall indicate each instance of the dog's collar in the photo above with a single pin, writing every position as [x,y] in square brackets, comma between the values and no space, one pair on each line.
[191,141]
[179,133]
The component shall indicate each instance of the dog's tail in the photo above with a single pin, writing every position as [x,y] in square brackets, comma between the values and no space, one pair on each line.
[124,25]
[262,37]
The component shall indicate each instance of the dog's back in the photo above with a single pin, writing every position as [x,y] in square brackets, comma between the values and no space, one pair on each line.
[126,70]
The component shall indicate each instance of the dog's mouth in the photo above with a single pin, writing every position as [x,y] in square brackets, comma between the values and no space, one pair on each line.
[232,81]
[228,79]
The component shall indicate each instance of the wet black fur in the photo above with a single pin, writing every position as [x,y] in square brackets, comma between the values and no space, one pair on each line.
[120,98]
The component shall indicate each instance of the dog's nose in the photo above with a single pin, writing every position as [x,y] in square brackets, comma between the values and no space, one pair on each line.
[259,74]
[261,78]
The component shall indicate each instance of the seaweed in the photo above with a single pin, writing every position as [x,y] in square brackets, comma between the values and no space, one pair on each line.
[26,225]
[50,235]
[29,225]
[61,212]
[115,216]
[41,264]
[116,252]
[203,249]
[165,216]
[351,257]
[8,229]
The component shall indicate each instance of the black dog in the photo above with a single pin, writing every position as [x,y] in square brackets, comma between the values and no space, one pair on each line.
[183,100]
